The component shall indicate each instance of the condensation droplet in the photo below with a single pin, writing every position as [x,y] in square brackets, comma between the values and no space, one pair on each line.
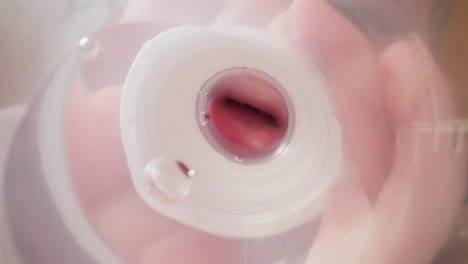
[186,170]
[204,117]
[89,46]
[171,178]
[238,159]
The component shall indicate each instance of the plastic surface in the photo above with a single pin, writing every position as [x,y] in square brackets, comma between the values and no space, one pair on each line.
[35,45]
[64,218]
[38,34]
[142,181]
[227,196]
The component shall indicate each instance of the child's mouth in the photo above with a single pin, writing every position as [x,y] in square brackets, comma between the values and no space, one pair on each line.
[248,112]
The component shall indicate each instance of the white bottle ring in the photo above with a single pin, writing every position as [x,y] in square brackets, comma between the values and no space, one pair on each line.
[185,173]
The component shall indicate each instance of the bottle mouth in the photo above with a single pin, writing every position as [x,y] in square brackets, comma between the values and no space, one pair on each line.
[244,113]
[227,133]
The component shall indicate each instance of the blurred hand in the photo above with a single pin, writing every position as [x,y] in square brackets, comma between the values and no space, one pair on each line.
[395,206]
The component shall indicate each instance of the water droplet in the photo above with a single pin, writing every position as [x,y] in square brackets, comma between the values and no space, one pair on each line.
[186,170]
[89,46]
[171,178]
[238,159]
[204,118]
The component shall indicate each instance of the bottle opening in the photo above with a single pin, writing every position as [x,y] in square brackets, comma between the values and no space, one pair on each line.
[244,113]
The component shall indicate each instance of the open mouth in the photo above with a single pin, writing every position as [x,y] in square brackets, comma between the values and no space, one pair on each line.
[248,115]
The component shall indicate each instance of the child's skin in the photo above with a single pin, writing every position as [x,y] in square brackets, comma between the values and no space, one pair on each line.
[389,209]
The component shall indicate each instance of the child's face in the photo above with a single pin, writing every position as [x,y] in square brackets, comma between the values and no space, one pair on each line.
[396,206]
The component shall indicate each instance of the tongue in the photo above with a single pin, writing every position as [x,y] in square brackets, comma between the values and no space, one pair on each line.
[243,125]
[248,112]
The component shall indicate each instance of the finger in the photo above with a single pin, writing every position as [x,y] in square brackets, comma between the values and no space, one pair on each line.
[190,246]
[193,12]
[279,23]
[128,226]
[97,160]
[99,168]
[329,37]
[346,225]
[251,13]
[351,66]
[420,198]
[93,126]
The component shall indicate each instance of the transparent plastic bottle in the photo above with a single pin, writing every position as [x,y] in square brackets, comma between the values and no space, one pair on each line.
[157,175]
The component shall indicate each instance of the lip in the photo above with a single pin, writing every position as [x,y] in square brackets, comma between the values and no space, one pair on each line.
[255,92]
[248,112]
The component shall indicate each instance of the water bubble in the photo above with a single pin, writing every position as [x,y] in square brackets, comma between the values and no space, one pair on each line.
[189,173]
[172,179]
[238,159]
[204,117]
[90,47]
